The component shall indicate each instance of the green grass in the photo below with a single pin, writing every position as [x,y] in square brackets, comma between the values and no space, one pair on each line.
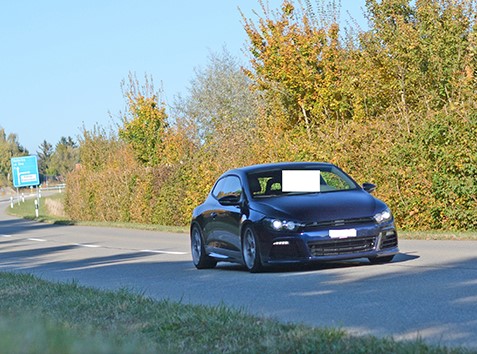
[42,317]
[26,209]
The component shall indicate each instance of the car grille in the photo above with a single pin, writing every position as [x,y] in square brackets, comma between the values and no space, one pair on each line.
[334,223]
[342,246]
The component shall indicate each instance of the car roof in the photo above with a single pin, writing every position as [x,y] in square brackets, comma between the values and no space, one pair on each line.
[278,165]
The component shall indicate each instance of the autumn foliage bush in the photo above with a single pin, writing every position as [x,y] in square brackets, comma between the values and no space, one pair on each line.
[394,104]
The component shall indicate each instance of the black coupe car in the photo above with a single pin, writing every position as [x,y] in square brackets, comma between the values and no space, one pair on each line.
[285,213]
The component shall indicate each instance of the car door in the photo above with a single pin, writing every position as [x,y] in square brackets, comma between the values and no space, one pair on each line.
[224,226]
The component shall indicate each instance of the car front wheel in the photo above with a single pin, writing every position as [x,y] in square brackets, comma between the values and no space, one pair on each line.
[199,257]
[250,251]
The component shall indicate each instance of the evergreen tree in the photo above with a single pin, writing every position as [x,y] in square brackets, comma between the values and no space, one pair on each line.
[44,157]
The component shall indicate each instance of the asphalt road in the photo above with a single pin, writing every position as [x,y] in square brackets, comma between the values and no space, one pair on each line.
[429,291]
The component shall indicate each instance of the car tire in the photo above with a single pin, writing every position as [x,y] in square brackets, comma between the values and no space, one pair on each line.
[250,251]
[199,257]
[381,260]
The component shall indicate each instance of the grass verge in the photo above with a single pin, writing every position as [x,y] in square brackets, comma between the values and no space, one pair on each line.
[42,317]
[27,210]
[438,235]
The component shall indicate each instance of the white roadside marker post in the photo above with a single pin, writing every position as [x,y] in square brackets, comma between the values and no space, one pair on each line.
[36,207]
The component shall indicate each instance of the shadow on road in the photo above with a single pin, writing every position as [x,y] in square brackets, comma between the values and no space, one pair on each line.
[314,266]
[12,226]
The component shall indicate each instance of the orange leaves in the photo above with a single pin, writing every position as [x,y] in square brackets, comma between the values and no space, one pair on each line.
[298,63]
[144,125]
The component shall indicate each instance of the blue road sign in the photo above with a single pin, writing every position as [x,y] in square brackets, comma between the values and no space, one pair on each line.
[25,171]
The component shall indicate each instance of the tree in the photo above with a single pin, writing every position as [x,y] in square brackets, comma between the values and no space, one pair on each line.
[220,109]
[9,147]
[296,57]
[64,158]
[145,121]
[418,55]
[97,146]
[44,157]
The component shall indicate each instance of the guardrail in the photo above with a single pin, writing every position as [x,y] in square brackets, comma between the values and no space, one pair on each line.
[55,187]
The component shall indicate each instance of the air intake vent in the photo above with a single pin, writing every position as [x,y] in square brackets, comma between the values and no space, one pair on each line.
[335,223]
[343,246]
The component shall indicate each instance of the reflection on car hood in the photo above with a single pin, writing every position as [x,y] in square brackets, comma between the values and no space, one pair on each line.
[320,206]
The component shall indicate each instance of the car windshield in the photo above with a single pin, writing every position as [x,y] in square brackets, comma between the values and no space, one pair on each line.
[278,182]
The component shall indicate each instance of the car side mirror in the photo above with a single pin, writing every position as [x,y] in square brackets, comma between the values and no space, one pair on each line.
[369,187]
[230,199]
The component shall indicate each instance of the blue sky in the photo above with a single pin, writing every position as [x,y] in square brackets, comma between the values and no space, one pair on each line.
[62,62]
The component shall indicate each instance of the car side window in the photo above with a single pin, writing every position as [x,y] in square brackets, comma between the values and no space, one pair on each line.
[219,188]
[227,186]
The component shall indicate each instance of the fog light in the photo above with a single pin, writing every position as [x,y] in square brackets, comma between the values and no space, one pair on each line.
[281,243]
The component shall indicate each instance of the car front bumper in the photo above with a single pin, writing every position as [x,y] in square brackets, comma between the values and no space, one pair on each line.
[318,246]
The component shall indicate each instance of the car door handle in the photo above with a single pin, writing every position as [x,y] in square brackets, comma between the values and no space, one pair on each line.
[213,215]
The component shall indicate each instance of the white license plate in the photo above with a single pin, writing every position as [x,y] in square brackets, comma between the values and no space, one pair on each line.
[343,233]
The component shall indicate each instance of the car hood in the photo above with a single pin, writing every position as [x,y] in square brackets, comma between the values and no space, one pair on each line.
[318,207]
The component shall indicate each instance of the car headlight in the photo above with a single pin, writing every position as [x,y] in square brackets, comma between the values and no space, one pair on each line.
[282,225]
[383,216]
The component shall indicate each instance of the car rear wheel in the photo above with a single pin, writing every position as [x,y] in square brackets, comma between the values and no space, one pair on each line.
[250,251]
[199,256]
[381,260]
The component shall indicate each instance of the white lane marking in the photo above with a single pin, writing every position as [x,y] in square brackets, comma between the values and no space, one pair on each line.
[6,235]
[98,246]
[163,252]
[86,245]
